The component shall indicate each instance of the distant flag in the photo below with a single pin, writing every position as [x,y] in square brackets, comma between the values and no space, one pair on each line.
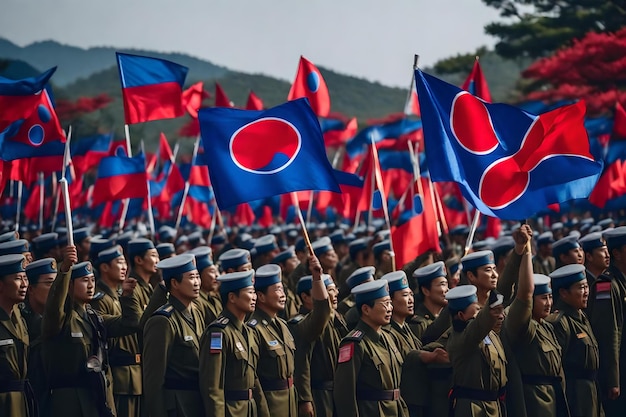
[476,84]
[254,102]
[87,152]
[152,88]
[510,164]
[377,133]
[309,83]
[337,132]
[257,154]
[221,99]
[412,105]
[351,186]
[118,148]
[119,178]
[192,98]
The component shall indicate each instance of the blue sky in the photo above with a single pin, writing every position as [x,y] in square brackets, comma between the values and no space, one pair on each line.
[372,39]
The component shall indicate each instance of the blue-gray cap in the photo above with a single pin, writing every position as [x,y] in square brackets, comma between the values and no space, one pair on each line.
[461,297]
[360,275]
[369,291]
[397,281]
[615,237]
[177,265]
[567,275]
[477,259]
[426,274]
[564,245]
[592,241]
[267,275]
[542,284]
[235,281]
[234,258]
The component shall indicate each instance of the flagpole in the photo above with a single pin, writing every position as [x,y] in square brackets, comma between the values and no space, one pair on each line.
[41,200]
[309,210]
[150,213]
[305,233]
[212,228]
[57,199]
[126,201]
[338,153]
[19,206]
[472,231]
[186,190]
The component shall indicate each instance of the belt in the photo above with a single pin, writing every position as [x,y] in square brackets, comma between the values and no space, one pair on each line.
[378,394]
[124,359]
[477,394]
[181,384]
[589,374]
[276,384]
[541,379]
[322,385]
[238,395]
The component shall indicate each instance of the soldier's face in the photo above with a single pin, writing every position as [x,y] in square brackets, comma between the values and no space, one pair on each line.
[403,303]
[117,269]
[83,288]
[38,293]
[486,277]
[209,278]
[332,295]
[189,286]
[13,287]
[291,264]
[329,260]
[599,258]
[245,299]
[542,304]
[437,291]
[380,314]
[573,256]
[273,298]
[577,294]
[149,260]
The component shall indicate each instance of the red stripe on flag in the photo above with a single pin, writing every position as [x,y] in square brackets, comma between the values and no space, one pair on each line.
[152,102]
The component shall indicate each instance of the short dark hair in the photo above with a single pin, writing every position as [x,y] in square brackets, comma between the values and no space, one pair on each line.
[367,303]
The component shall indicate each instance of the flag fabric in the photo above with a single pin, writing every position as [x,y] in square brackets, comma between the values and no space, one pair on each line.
[337,132]
[377,133]
[510,164]
[119,178]
[611,185]
[221,99]
[309,83]
[254,102]
[351,186]
[619,122]
[37,135]
[257,154]
[87,152]
[476,84]
[118,148]
[152,88]
[192,98]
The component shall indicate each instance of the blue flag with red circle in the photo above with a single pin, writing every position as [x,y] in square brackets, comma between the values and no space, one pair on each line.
[508,163]
[258,154]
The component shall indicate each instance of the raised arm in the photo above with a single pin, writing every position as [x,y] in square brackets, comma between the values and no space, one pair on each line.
[54,310]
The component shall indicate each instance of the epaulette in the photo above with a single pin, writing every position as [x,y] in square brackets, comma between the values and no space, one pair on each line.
[555,317]
[355,335]
[416,319]
[98,296]
[166,310]
[252,323]
[220,322]
[296,319]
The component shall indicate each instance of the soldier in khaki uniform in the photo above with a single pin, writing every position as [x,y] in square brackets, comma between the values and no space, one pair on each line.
[16,397]
[288,262]
[41,275]
[596,253]
[171,344]
[229,354]
[476,353]
[382,258]
[124,352]
[142,259]
[432,287]
[317,342]
[543,262]
[531,338]
[209,302]
[235,260]
[276,344]
[347,306]
[74,340]
[360,256]
[581,359]
[367,379]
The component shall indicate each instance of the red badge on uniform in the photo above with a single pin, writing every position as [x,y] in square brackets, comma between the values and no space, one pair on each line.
[346,352]
[603,291]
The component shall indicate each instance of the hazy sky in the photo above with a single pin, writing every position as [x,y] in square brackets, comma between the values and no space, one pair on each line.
[373,39]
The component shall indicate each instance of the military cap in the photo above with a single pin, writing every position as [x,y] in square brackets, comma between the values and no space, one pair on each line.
[426,274]
[615,237]
[567,275]
[167,232]
[300,244]
[165,249]
[563,245]
[138,247]
[183,239]
[267,275]
[574,233]
[357,245]
[265,244]
[338,236]
[292,233]
[542,284]
[17,246]
[360,276]
[235,281]
[125,238]
[380,247]
[304,284]
[605,223]
[461,297]
[81,269]
[596,228]
[45,242]
[276,230]
[592,241]
[328,280]
[97,245]
[218,239]
[477,259]
[482,245]
[203,257]
[545,238]
[195,238]
[8,236]
[556,226]
[502,246]
[283,256]
[234,258]
[322,245]
[369,291]
[40,267]
[453,264]
[397,281]
[12,264]
[81,234]
[107,255]
[177,265]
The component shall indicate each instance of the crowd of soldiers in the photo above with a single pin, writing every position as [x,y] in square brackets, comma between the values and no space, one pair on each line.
[254,322]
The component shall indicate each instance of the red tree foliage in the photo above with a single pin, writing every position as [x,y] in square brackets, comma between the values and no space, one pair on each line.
[66,110]
[593,68]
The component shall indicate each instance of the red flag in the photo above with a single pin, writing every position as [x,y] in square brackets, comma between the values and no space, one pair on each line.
[192,98]
[244,215]
[335,138]
[610,185]
[254,102]
[476,83]
[494,227]
[221,99]
[419,234]
[309,83]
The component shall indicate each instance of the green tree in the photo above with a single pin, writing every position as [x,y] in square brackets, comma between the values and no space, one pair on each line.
[535,28]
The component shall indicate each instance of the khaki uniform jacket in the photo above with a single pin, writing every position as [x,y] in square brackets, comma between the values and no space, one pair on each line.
[403,337]
[275,369]
[421,319]
[124,352]
[543,266]
[369,366]
[13,363]
[346,304]
[292,303]
[580,360]
[68,338]
[209,305]
[229,356]
[478,362]
[538,355]
[170,361]
[36,374]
